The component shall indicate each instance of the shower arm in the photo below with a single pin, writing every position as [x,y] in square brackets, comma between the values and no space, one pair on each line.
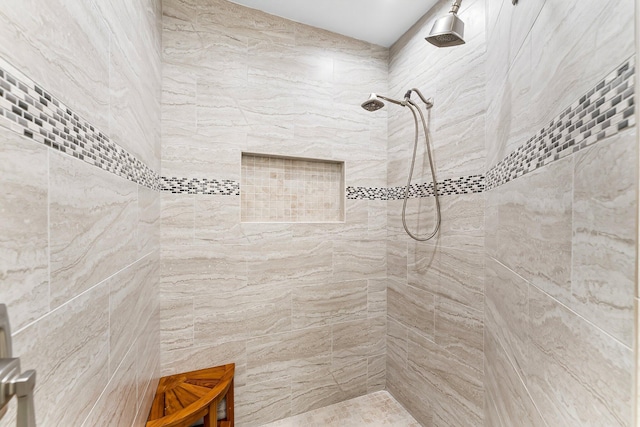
[455,6]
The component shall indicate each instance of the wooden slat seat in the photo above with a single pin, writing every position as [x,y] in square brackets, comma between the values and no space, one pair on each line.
[183,399]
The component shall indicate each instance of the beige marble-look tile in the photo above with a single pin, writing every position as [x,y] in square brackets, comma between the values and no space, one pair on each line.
[351,341]
[288,353]
[125,314]
[117,405]
[191,359]
[578,375]
[462,221]
[604,241]
[507,312]
[71,343]
[177,218]
[462,276]
[202,269]
[377,210]
[424,265]
[326,303]
[377,297]
[534,235]
[397,259]
[176,321]
[148,220]
[148,358]
[376,373]
[505,393]
[326,385]
[456,388]
[75,67]
[259,403]
[132,117]
[293,262]
[93,220]
[24,237]
[591,23]
[459,330]
[217,220]
[238,314]
[359,259]
[397,343]
[412,307]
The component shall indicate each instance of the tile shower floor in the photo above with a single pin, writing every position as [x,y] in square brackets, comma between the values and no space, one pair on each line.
[376,409]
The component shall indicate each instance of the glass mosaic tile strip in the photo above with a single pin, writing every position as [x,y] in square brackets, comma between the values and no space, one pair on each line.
[605,110]
[28,109]
[221,187]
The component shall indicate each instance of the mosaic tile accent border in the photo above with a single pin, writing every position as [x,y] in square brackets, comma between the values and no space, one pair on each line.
[447,187]
[603,111]
[220,187]
[27,109]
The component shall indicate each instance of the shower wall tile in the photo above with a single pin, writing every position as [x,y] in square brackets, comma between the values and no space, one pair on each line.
[461,277]
[24,246]
[70,343]
[557,320]
[507,313]
[75,68]
[83,142]
[568,356]
[327,303]
[288,354]
[359,259]
[454,401]
[412,307]
[377,297]
[263,402]
[93,221]
[603,249]
[121,390]
[459,330]
[534,234]
[505,391]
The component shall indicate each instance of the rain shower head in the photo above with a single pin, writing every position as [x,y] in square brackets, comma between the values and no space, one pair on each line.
[448,30]
[374,103]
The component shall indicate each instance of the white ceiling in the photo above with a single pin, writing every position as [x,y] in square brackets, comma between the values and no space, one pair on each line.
[381,22]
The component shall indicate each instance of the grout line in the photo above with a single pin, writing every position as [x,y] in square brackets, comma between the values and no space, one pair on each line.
[564,305]
[81,294]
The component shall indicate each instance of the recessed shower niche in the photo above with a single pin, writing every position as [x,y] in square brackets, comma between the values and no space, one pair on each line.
[290,189]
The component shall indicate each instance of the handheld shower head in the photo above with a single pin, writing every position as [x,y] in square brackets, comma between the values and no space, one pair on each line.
[373,103]
[448,30]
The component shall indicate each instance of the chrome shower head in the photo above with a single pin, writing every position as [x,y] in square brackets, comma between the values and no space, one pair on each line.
[373,103]
[448,30]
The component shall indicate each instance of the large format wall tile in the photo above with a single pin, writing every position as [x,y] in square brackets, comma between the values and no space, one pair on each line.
[604,220]
[455,388]
[578,375]
[70,343]
[534,234]
[24,240]
[93,219]
[504,389]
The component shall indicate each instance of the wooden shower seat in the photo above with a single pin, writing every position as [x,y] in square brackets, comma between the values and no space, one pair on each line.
[183,399]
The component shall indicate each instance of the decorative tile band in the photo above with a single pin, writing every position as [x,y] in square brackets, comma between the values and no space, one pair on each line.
[603,111]
[31,111]
[222,187]
[463,185]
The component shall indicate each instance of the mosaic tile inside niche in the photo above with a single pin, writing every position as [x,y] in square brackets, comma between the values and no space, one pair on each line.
[29,110]
[277,189]
[606,109]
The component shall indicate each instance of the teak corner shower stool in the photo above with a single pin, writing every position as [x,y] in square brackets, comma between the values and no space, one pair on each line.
[183,399]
